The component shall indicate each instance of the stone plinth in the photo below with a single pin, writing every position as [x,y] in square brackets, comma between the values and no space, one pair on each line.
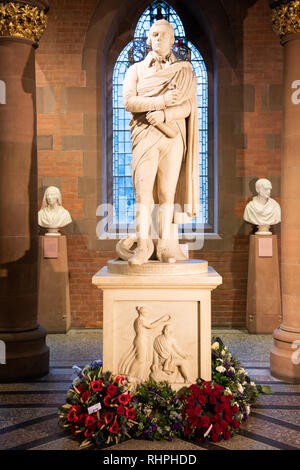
[54,296]
[263,292]
[158,325]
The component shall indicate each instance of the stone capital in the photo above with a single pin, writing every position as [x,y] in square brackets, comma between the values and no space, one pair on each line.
[285,17]
[25,19]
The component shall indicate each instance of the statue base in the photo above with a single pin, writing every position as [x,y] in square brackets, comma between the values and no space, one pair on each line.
[54,311]
[158,324]
[263,290]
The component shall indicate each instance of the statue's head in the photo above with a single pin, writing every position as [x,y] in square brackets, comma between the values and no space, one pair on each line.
[167,329]
[263,187]
[52,197]
[161,37]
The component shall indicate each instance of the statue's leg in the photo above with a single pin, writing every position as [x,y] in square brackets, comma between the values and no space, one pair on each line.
[145,175]
[169,165]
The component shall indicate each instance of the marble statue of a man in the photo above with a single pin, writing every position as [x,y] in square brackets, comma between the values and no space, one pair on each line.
[52,214]
[160,92]
[263,210]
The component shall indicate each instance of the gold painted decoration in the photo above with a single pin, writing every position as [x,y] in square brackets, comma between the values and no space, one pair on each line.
[286,18]
[21,20]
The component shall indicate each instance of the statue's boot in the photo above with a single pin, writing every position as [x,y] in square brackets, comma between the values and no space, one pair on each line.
[140,257]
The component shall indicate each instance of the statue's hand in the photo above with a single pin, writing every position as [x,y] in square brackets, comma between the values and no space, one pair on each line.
[155,117]
[171,97]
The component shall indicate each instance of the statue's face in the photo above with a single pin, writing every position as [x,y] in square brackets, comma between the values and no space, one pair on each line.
[265,190]
[51,198]
[161,39]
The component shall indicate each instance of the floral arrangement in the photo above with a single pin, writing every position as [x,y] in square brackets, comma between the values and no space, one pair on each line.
[99,408]
[210,412]
[102,409]
[158,411]
[228,372]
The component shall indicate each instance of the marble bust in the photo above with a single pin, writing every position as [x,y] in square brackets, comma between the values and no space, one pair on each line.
[161,94]
[263,210]
[52,214]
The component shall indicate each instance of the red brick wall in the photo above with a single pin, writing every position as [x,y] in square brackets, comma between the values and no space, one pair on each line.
[59,65]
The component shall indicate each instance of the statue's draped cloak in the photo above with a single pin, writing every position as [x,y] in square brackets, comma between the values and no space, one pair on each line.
[144,136]
[258,214]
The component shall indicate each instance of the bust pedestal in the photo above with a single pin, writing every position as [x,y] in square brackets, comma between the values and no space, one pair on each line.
[180,292]
[54,298]
[263,292]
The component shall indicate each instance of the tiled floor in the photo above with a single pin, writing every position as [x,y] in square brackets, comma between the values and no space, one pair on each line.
[29,418]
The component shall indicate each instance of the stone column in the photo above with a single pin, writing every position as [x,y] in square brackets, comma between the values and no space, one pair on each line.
[285,353]
[21,26]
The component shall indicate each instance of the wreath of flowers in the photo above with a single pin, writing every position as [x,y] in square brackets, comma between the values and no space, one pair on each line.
[209,412]
[228,372]
[99,408]
[102,409]
[158,411]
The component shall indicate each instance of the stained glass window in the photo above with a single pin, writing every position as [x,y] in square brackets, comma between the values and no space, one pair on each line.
[136,50]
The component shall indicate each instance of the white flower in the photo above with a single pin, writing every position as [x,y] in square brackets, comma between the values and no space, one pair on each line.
[223,352]
[220,369]
[247,409]
[219,359]
[241,371]
[240,388]
[253,384]
[232,369]
[227,391]
[245,382]
[215,345]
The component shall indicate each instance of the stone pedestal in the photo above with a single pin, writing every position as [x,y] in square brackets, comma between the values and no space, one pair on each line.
[54,296]
[158,325]
[26,352]
[263,292]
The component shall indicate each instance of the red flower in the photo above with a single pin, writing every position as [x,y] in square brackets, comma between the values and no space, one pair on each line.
[191,400]
[108,417]
[235,409]
[197,410]
[114,428]
[205,421]
[202,399]
[224,424]
[124,399]
[89,421]
[119,379]
[107,400]
[97,385]
[194,388]
[81,418]
[235,423]
[219,407]
[130,413]
[216,418]
[228,416]
[217,428]
[85,396]
[226,434]
[212,400]
[88,432]
[72,416]
[224,398]
[120,410]
[112,390]
[100,423]
[80,388]
[74,430]
[215,437]
[187,430]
